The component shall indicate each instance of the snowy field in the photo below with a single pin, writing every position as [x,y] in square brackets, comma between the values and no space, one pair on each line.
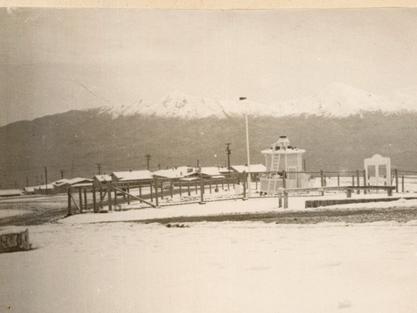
[213,267]
[254,206]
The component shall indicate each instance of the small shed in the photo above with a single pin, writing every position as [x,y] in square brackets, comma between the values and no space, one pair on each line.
[255,170]
[102,179]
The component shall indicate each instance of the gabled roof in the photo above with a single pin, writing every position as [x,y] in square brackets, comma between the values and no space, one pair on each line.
[210,171]
[132,175]
[253,168]
[103,178]
[179,172]
[71,181]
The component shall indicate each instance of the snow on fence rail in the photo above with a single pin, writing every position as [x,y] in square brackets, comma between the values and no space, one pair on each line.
[162,192]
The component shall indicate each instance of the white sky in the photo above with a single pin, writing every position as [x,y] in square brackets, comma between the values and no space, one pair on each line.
[55,60]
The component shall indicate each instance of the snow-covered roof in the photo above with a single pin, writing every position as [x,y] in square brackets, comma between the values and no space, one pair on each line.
[210,171]
[71,181]
[253,168]
[10,192]
[179,172]
[103,178]
[132,175]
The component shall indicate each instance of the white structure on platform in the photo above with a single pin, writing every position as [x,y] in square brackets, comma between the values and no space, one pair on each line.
[282,157]
[378,170]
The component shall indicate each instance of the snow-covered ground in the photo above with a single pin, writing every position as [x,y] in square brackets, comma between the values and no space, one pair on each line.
[213,267]
[256,205]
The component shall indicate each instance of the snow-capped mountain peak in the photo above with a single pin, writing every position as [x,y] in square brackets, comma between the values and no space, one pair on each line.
[335,100]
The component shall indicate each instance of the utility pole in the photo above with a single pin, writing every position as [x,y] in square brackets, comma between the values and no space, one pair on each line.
[98,168]
[247,145]
[62,173]
[46,178]
[148,159]
[228,152]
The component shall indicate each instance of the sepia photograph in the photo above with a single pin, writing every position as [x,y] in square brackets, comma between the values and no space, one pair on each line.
[195,160]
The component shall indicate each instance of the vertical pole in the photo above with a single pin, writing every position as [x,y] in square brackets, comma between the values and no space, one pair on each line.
[69,201]
[402,183]
[248,153]
[353,180]
[188,189]
[280,200]
[322,182]
[85,199]
[128,194]
[321,178]
[358,181]
[244,188]
[179,185]
[94,200]
[285,200]
[140,191]
[396,180]
[156,192]
[80,199]
[171,189]
[115,197]
[338,180]
[364,182]
[109,200]
[210,186]
[201,191]
[196,189]
[151,189]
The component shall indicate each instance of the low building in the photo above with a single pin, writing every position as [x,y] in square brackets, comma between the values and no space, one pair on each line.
[62,185]
[10,192]
[175,173]
[132,177]
[255,170]
[102,180]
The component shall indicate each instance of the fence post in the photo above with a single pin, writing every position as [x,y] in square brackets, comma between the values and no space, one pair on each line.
[109,197]
[285,199]
[321,178]
[80,197]
[358,181]
[349,193]
[402,183]
[364,182]
[396,180]
[179,185]
[85,199]
[201,191]
[94,200]
[188,187]
[128,193]
[69,201]
[338,180]
[151,190]
[156,192]
[280,199]
[244,187]
[171,189]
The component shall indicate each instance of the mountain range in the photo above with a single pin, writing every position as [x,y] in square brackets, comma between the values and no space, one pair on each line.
[338,127]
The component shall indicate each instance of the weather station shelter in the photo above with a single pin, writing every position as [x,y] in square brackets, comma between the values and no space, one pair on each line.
[282,158]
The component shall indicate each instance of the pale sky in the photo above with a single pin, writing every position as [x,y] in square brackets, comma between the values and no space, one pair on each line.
[55,60]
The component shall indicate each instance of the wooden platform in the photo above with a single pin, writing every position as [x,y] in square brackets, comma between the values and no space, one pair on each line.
[328,202]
